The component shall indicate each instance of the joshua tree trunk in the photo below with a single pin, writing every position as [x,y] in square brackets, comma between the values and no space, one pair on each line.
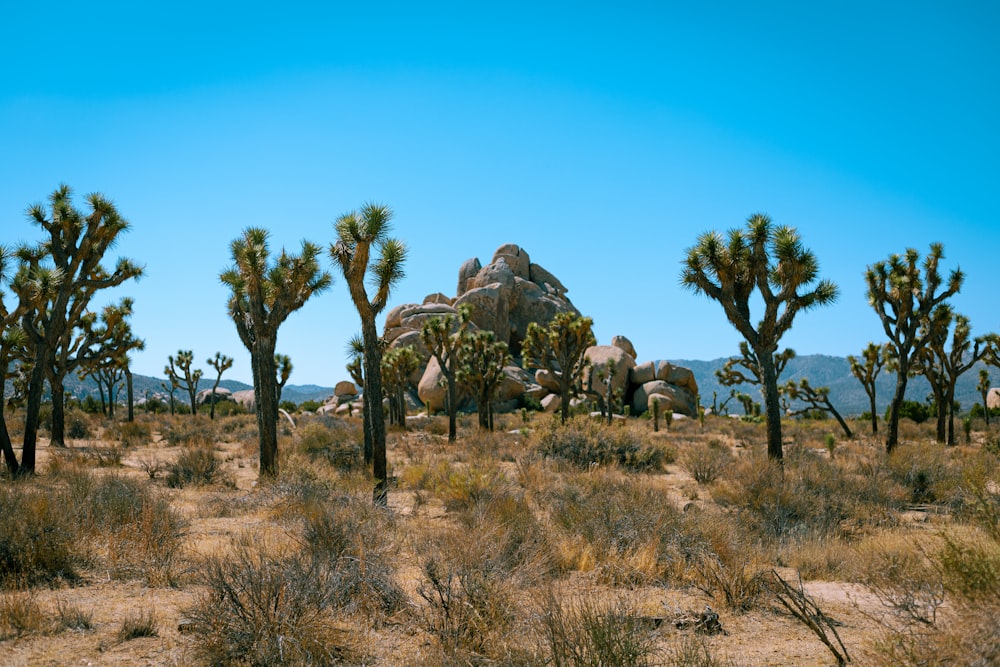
[58,438]
[131,395]
[892,438]
[35,385]
[874,414]
[373,389]
[5,444]
[265,384]
[769,388]
[950,397]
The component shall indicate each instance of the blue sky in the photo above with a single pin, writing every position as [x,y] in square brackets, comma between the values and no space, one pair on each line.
[601,137]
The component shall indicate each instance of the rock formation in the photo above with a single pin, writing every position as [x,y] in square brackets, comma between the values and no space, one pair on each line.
[505,296]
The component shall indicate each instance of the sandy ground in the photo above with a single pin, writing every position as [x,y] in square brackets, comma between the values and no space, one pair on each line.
[753,639]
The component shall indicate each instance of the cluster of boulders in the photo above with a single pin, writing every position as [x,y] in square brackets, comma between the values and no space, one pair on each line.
[505,296]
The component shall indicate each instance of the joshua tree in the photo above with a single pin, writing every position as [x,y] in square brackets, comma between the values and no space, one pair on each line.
[561,349]
[904,300]
[107,358]
[221,363]
[942,367]
[481,370]
[283,368]
[12,342]
[180,373]
[170,389]
[984,391]
[730,375]
[445,338]
[866,370]
[397,366]
[263,294]
[357,233]
[56,282]
[816,398]
[772,262]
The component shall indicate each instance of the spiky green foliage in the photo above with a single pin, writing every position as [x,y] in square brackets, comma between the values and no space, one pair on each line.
[56,281]
[445,338]
[178,370]
[984,390]
[866,369]
[561,349]
[359,233]
[480,369]
[107,359]
[283,369]
[221,363]
[262,296]
[943,367]
[397,365]
[773,263]
[904,298]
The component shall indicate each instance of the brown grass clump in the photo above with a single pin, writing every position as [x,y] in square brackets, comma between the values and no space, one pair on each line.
[586,442]
[36,537]
[706,463]
[266,605]
[196,466]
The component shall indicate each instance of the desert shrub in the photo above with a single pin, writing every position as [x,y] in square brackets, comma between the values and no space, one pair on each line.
[126,526]
[586,633]
[469,485]
[180,432]
[337,442]
[131,434]
[138,623]
[309,406]
[77,425]
[809,497]
[36,537]
[915,411]
[629,532]
[73,617]
[927,471]
[585,442]
[265,606]
[20,615]
[349,537]
[981,496]
[468,609]
[706,462]
[196,466]
[502,534]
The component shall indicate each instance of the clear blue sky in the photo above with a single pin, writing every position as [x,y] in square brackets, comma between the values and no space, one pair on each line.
[601,137]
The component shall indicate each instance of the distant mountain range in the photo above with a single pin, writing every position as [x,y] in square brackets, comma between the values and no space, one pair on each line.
[143,385]
[846,392]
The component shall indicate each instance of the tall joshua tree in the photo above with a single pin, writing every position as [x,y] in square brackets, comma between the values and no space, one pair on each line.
[221,363]
[904,300]
[12,342]
[56,282]
[866,370]
[358,233]
[445,338]
[772,262]
[262,296]
[561,349]
[107,358]
[178,370]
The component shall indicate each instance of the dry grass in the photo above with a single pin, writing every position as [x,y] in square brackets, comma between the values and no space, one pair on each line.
[547,545]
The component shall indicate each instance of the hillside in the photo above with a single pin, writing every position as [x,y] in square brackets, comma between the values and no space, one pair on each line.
[144,385]
[846,393]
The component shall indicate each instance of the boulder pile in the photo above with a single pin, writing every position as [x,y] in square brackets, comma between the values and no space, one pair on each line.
[505,296]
